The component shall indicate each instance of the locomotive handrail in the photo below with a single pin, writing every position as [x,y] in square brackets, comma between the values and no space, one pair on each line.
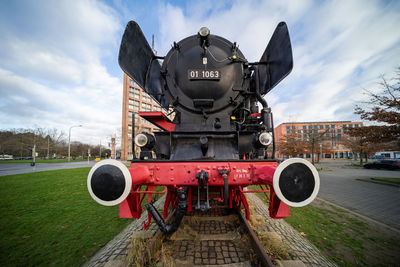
[265,191]
[254,191]
[152,192]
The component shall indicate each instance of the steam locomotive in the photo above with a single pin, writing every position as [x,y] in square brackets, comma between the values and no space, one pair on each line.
[218,142]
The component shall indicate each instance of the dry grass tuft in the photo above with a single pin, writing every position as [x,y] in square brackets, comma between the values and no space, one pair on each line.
[166,257]
[274,248]
[135,255]
[277,252]
[141,253]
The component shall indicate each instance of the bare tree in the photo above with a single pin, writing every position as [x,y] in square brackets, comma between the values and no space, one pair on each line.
[313,138]
[383,108]
[291,145]
[359,145]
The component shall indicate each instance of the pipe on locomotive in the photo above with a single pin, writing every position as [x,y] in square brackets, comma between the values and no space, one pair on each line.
[295,181]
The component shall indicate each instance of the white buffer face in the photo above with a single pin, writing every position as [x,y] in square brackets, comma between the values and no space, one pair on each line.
[109,182]
[296,182]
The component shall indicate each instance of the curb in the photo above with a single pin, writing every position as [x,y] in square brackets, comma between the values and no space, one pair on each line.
[379,182]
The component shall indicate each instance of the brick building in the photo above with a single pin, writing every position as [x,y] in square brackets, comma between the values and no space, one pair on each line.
[332,136]
[135,100]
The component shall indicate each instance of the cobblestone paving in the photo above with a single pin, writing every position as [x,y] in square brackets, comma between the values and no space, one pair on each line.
[210,252]
[117,249]
[213,227]
[214,212]
[300,248]
[223,242]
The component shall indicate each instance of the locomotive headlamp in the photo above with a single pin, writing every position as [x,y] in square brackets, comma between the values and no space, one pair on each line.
[265,139]
[141,140]
[204,32]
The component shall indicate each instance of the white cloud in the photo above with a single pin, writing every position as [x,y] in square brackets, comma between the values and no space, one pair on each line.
[51,70]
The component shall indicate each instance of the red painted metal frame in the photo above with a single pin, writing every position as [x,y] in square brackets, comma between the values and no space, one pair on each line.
[184,173]
[159,120]
[175,174]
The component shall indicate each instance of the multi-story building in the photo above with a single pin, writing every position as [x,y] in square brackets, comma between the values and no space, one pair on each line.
[135,99]
[331,134]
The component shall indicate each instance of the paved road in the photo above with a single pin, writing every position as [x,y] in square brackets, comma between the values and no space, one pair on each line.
[10,169]
[379,202]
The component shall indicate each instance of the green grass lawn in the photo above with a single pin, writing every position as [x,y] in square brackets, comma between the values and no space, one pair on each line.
[25,161]
[48,218]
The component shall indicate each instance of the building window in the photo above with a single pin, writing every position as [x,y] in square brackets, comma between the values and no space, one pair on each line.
[132,82]
[157,108]
[145,121]
[146,107]
[134,92]
[135,105]
[146,98]
[130,114]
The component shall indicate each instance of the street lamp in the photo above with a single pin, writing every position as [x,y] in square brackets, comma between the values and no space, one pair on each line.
[320,150]
[69,141]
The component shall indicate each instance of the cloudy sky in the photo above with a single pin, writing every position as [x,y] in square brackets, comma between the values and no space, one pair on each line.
[58,59]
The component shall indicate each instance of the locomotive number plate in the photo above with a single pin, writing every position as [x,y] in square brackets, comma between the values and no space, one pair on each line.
[204,74]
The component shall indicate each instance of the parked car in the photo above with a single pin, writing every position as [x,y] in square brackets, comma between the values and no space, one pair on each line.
[383,164]
[377,157]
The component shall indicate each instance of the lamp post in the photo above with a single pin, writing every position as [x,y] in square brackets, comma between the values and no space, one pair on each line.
[69,141]
[320,150]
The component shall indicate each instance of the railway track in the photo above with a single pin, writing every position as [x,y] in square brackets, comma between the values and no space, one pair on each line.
[220,236]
